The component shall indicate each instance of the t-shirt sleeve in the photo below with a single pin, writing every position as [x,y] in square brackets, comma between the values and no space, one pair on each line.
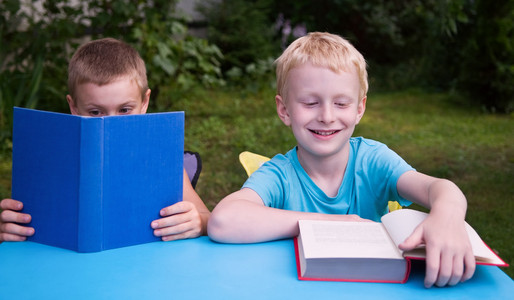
[386,168]
[268,183]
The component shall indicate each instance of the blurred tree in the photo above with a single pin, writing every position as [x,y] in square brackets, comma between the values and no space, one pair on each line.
[462,45]
[39,37]
[242,30]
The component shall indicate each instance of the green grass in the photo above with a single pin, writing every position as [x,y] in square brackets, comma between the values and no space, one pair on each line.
[435,133]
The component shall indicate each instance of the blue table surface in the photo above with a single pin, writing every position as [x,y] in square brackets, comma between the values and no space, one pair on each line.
[199,268]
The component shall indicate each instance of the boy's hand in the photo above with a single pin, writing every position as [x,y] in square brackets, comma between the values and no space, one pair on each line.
[179,221]
[10,218]
[450,259]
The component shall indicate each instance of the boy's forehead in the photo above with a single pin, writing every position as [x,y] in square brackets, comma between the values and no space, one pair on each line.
[311,78]
[122,79]
[122,87]
[335,68]
[310,70]
[346,74]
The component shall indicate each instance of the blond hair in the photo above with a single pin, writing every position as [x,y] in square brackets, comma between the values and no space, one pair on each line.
[321,49]
[104,61]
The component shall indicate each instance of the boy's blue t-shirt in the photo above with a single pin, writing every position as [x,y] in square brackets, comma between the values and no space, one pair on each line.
[369,182]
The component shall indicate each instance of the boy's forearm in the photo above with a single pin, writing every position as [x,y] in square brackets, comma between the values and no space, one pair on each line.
[446,197]
[242,221]
[439,195]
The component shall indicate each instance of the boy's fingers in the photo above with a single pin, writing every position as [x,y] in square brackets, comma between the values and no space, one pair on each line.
[10,229]
[170,221]
[458,270]
[414,240]
[432,270]
[8,216]
[445,271]
[185,235]
[7,237]
[177,208]
[469,266]
[10,204]
[181,228]
[177,226]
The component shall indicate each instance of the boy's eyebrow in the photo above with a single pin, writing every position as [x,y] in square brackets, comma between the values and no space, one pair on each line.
[316,94]
[343,97]
[129,102]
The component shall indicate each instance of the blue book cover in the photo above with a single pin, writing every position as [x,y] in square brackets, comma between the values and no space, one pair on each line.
[96,183]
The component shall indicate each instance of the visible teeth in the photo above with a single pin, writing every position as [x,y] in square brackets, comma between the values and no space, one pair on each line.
[324,132]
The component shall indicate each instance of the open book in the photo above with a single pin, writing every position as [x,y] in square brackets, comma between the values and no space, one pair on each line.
[368,251]
[92,184]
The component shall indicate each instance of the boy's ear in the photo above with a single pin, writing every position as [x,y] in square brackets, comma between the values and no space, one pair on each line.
[360,109]
[72,105]
[146,101]
[282,112]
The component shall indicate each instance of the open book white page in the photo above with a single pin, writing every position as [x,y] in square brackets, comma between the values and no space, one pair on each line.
[346,239]
[401,223]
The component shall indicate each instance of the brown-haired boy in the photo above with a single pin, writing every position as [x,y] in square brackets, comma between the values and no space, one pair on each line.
[107,77]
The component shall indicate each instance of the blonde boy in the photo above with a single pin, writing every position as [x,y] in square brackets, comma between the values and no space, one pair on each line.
[322,87]
[107,77]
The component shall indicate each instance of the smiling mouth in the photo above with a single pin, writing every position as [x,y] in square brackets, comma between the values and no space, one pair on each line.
[324,132]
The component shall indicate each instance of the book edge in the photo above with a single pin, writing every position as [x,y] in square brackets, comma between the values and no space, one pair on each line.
[300,277]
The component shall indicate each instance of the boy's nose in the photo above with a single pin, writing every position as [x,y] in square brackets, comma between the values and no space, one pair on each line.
[327,114]
[111,113]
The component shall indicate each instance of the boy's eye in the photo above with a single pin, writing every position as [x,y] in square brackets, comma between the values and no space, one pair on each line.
[342,102]
[125,110]
[310,103]
[95,113]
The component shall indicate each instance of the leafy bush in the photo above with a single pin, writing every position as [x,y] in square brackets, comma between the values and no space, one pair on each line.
[486,56]
[460,45]
[246,36]
[37,42]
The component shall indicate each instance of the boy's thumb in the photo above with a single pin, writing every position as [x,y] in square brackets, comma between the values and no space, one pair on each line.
[413,241]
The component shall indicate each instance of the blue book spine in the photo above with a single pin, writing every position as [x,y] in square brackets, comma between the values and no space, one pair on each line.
[90,220]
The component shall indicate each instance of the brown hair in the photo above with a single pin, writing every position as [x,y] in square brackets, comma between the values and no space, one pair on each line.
[323,50]
[104,61]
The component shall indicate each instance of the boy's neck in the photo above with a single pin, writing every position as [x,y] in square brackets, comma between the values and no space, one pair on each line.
[326,172]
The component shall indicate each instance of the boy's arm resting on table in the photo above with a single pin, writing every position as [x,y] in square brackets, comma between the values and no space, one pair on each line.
[449,254]
[242,217]
[184,219]
[10,220]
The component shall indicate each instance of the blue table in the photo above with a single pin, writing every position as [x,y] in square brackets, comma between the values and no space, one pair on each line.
[200,268]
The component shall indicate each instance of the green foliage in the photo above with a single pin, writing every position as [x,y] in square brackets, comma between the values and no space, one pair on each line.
[245,35]
[476,59]
[461,45]
[37,43]
[22,64]
[178,62]
[174,59]
[486,57]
